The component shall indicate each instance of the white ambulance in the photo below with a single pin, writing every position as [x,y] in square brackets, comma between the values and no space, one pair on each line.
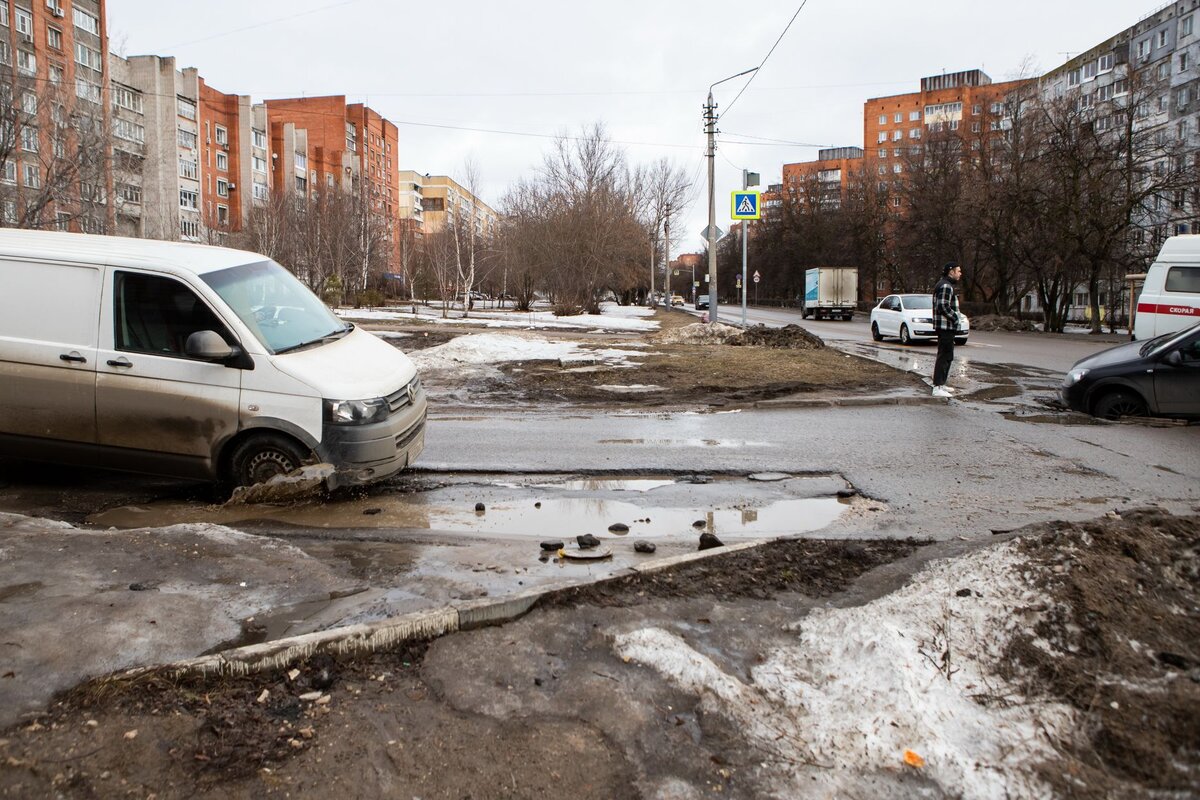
[191,361]
[1170,298]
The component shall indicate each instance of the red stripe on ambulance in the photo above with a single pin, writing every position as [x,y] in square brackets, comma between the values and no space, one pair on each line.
[1156,308]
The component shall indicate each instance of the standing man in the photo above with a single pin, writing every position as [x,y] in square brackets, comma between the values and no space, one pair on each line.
[945,322]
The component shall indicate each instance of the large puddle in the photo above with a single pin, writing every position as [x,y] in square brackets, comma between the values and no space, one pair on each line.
[543,507]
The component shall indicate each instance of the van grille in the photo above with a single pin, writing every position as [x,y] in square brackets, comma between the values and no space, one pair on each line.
[406,438]
[403,396]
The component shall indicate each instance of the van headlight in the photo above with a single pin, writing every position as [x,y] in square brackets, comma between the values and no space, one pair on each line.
[356,412]
[1074,377]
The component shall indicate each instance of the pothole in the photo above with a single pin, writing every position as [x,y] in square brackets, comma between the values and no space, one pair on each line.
[541,507]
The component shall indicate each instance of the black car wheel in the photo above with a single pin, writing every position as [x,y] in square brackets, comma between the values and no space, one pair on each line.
[875,334]
[905,337]
[1115,405]
[960,342]
[264,456]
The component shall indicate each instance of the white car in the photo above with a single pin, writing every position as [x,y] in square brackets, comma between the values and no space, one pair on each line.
[909,317]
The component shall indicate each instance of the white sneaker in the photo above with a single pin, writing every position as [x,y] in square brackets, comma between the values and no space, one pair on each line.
[950,389]
[940,391]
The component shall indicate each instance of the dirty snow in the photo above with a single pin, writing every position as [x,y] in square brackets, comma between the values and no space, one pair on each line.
[613,317]
[630,388]
[837,710]
[492,348]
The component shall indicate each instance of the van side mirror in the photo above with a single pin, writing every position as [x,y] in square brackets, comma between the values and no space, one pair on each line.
[1174,358]
[209,346]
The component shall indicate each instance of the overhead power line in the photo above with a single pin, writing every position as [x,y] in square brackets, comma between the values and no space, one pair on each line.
[768,55]
[263,24]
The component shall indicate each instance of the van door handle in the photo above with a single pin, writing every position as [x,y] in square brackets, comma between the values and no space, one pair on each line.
[73,357]
[119,362]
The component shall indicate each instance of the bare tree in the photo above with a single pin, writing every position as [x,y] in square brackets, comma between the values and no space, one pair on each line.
[54,154]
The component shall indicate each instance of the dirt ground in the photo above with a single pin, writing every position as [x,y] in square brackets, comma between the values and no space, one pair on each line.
[682,368]
[1118,644]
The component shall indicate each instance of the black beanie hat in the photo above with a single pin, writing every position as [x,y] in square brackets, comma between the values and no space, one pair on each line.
[949,265]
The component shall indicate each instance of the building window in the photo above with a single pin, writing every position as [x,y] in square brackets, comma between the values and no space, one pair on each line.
[914,116]
[897,135]
[33,176]
[189,229]
[260,191]
[915,133]
[1073,78]
[26,63]
[223,161]
[222,135]
[129,131]
[258,163]
[1164,70]
[86,21]
[1163,103]
[1089,70]
[301,185]
[127,98]
[53,37]
[29,102]
[86,90]
[1104,92]
[1106,63]
[1120,87]
[1162,38]
[185,108]
[1103,123]
[5,52]
[883,119]
[897,118]
[301,161]
[129,193]
[882,136]
[9,174]
[351,137]
[188,168]
[1185,27]
[260,139]
[975,127]
[24,24]
[222,215]
[186,139]
[4,14]
[87,57]
[189,199]
[29,139]
[56,74]
[222,187]
[1183,62]
[896,168]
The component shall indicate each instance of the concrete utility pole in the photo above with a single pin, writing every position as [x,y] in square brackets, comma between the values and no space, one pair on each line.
[667,255]
[710,130]
[653,246]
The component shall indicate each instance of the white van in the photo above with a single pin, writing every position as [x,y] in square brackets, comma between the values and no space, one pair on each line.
[1170,298]
[191,361]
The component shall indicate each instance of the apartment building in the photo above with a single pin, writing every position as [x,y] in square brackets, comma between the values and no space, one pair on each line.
[444,200]
[225,130]
[410,203]
[129,147]
[896,127]
[1151,67]
[824,181]
[54,120]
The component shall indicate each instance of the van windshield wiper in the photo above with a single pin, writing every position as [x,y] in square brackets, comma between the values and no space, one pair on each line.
[329,337]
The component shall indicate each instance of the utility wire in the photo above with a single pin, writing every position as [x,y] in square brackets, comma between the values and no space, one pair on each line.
[768,55]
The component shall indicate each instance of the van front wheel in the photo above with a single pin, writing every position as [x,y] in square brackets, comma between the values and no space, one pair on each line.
[264,456]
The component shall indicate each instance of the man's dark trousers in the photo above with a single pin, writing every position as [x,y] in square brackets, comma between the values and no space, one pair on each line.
[941,367]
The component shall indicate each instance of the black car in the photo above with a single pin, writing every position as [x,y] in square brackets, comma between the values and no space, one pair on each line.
[1159,377]
[701,302]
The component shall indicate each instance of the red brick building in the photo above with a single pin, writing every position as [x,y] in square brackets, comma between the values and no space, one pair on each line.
[225,121]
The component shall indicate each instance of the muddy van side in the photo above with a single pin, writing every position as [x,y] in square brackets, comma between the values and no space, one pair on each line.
[1170,297]
[193,362]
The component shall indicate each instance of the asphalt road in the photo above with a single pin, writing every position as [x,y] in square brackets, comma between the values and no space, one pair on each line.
[1056,352]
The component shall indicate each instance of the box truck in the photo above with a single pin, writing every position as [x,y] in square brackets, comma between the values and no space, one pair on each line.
[830,292]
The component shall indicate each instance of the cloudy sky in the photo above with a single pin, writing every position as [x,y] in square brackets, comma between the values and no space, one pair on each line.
[497,81]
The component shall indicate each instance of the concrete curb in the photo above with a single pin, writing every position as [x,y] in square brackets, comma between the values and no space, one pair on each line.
[848,402]
[375,636]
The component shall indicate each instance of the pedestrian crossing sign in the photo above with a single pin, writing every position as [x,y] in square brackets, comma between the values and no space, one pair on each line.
[746,205]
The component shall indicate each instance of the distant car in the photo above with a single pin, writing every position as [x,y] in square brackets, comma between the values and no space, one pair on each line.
[1158,377]
[909,317]
[701,302]
[676,300]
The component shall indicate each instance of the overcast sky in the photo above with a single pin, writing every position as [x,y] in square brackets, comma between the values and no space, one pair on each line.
[463,79]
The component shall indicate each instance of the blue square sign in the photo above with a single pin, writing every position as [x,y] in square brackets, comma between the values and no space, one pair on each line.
[746,205]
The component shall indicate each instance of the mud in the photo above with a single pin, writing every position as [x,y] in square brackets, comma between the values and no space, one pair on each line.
[791,337]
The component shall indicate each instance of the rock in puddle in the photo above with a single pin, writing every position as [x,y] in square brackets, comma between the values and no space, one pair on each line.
[619,527]
[709,541]
[552,545]
[587,541]
[644,547]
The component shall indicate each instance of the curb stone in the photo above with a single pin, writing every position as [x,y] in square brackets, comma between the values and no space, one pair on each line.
[370,637]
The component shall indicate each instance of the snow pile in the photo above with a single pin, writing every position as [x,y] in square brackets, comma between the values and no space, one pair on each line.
[613,317]
[493,348]
[838,710]
[699,333]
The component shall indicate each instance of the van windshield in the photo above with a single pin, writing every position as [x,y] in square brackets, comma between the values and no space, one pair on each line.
[278,309]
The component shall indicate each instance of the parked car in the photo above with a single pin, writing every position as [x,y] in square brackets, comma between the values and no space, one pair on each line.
[909,317]
[191,361]
[1159,377]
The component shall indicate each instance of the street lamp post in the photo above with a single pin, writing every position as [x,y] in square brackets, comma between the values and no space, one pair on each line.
[710,129]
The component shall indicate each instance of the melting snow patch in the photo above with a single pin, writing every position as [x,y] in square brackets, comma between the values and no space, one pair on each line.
[838,709]
[492,348]
[633,388]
